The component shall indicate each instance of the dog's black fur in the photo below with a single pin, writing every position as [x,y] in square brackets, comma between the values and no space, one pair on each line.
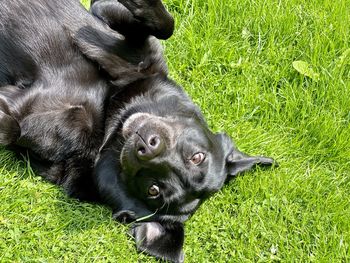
[89,98]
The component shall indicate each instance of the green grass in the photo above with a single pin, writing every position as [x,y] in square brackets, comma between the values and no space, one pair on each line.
[235,58]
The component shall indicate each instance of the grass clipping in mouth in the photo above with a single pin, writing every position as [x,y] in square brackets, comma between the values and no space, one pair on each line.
[146,217]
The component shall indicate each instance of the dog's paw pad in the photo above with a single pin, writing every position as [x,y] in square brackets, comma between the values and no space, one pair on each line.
[124,216]
[143,65]
[147,66]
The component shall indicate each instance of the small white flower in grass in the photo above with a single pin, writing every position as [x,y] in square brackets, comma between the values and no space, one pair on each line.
[274,249]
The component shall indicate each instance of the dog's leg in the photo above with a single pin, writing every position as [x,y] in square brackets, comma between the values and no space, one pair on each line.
[9,127]
[127,52]
[113,190]
[135,19]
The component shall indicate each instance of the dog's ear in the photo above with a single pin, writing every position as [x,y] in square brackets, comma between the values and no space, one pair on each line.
[164,241]
[238,162]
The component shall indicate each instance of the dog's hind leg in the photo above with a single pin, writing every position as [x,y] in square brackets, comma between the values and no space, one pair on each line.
[135,19]
[9,127]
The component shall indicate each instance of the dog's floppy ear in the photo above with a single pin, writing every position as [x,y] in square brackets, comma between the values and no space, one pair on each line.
[238,162]
[164,241]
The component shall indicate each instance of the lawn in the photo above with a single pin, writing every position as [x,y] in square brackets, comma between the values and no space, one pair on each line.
[275,75]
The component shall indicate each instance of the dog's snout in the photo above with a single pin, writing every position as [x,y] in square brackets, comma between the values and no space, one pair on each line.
[149,147]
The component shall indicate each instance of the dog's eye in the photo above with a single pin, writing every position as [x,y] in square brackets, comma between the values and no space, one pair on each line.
[197,158]
[153,191]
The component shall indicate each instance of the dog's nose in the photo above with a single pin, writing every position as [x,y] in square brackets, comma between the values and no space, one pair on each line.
[149,147]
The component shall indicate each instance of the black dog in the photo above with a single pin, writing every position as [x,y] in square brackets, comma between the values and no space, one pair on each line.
[88,97]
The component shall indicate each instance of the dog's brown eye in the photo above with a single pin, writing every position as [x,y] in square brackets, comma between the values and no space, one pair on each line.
[153,191]
[197,158]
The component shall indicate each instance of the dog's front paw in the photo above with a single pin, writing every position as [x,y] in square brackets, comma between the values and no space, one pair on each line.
[124,216]
[153,15]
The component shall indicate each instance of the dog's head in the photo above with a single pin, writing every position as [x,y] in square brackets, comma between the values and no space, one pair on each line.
[171,165]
